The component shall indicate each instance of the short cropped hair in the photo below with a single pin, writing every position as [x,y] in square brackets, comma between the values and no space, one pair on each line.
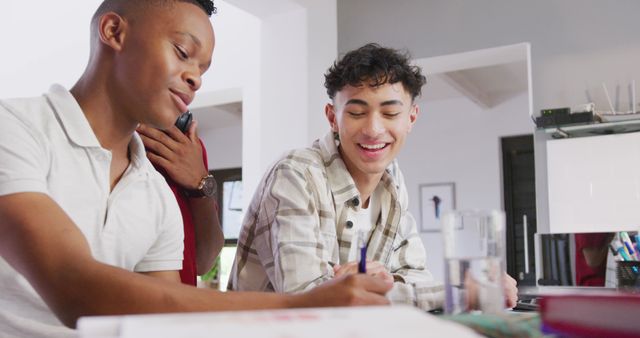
[120,6]
[374,65]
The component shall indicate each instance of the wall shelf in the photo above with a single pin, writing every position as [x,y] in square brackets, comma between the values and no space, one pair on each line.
[593,129]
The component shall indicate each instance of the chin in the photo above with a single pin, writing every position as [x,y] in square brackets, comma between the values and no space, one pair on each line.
[374,169]
[167,121]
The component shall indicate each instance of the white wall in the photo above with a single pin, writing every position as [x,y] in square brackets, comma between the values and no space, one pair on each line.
[47,43]
[276,111]
[575,44]
[224,146]
[323,49]
[456,141]
[43,42]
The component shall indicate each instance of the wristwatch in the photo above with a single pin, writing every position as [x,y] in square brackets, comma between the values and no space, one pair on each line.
[207,188]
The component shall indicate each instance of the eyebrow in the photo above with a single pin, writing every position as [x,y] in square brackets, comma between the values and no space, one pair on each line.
[205,66]
[193,37]
[384,103]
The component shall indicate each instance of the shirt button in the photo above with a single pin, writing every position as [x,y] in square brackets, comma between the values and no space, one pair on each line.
[349,224]
[355,202]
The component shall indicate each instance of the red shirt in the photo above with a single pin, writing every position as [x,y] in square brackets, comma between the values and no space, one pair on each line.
[189,271]
[586,275]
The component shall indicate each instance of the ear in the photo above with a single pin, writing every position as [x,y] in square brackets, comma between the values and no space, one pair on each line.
[330,113]
[413,115]
[111,30]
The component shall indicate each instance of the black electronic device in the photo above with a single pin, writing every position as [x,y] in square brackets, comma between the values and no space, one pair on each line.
[552,120]
[583,117]
[562,116]
[555,111]
[184,121]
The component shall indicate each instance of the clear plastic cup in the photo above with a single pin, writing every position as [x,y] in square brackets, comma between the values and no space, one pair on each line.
[474,243]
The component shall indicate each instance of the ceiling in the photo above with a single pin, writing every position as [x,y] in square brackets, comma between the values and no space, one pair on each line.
[486,86]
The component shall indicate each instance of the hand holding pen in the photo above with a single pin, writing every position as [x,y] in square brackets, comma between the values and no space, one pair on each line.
[362,265]
[362,250]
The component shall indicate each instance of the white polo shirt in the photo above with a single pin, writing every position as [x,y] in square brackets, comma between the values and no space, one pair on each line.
[48,146]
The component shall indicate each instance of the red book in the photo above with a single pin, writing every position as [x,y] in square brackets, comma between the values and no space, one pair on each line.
[591,315]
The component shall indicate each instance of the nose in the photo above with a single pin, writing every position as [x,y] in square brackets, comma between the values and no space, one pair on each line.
[374,126]
[193,79]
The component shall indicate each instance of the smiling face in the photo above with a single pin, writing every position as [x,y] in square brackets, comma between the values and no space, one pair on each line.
[159,62]
[372,123]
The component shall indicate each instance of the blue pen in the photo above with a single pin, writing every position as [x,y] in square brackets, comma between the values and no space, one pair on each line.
[637,237]
[362,245]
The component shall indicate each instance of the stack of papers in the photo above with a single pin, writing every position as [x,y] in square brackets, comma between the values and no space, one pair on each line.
[355,322]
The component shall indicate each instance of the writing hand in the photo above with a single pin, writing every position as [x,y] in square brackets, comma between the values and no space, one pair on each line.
[348,290]
[374,268]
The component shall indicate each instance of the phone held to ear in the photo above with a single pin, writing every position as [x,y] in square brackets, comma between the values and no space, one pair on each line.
[184,121]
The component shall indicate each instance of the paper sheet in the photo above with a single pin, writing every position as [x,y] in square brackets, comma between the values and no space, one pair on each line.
[355,322]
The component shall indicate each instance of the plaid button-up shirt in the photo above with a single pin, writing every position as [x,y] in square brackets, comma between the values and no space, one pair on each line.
[296,229]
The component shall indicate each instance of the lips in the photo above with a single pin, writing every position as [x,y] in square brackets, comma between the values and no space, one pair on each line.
[181,100]
[373,146]
[373,151]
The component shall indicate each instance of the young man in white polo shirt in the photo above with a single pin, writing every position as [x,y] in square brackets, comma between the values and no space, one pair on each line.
[80,204]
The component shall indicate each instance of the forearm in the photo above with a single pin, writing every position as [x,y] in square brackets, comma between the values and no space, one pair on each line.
[414,282]
[418,288]
[53,255]
[120,292]
[208,232]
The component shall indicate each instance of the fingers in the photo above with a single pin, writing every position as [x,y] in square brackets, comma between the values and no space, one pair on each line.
[373,268]
[344,269]
[169,138]
[510,291]
[349,290]
[176,134]
[154,147]
[158,160]
[169,144]
[385,276]
[371,284]
[511,298]
[192,133]
[369,290]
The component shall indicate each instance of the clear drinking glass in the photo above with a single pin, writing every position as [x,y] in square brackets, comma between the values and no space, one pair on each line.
[474,243]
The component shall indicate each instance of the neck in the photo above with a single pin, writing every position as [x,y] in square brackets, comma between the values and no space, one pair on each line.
[365,183]
[110,123]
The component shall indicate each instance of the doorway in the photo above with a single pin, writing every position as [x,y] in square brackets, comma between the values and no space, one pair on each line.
[518,167]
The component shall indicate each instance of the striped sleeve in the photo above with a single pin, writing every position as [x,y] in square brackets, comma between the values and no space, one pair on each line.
[301,250]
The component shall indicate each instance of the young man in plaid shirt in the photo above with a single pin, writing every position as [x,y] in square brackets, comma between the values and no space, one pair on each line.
[302,226]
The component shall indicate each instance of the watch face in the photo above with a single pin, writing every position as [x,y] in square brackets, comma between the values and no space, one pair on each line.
[209,188]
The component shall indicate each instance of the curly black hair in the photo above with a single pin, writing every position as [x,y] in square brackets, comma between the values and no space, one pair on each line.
[207,5]
[374,65]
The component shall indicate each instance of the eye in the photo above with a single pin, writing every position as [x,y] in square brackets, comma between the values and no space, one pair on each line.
[182,53]
[391,114]
[355,113]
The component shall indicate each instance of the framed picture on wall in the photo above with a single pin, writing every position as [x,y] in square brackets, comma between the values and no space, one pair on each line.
[435,198]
